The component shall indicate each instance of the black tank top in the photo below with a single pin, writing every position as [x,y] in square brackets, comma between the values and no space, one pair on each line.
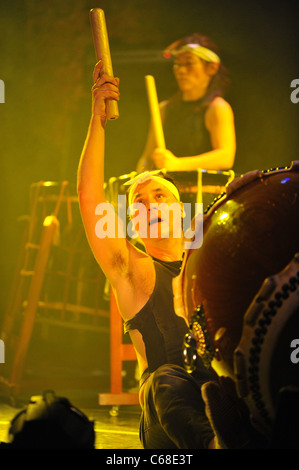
[184,127]
[162,330]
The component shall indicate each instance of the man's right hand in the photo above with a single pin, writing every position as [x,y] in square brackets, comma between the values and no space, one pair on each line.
[104,88]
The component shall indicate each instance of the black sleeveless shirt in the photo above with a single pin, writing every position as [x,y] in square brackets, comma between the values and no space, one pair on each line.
[162,330]
[184,127]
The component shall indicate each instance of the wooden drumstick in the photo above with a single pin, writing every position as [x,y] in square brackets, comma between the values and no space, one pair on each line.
[102,49]
[155,111]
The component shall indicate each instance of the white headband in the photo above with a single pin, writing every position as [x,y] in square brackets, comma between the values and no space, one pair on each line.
[199,51]
[150,175]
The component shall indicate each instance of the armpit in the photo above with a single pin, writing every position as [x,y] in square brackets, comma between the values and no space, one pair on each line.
[120,264]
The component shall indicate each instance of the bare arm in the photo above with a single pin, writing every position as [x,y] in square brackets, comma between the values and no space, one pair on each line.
[90,184]
[220,124]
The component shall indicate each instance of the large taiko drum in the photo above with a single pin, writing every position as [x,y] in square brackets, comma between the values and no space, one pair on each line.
[250,235]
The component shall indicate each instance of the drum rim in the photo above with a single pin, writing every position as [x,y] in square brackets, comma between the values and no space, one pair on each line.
[252,354]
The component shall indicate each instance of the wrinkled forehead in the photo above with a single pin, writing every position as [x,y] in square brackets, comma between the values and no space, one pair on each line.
[149,183]
[149,186]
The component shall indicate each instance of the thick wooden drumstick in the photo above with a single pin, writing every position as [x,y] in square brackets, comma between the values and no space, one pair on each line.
[155,111]
[102,49]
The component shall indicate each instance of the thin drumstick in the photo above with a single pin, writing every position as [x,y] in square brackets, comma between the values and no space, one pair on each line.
[155,111]
[102,49]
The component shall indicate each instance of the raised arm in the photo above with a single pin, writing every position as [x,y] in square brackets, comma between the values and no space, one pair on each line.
[90,184]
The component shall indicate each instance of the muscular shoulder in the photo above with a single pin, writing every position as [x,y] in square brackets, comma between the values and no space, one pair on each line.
[126,262]
[131,268]
[134,282]
[218,110]
[219,104]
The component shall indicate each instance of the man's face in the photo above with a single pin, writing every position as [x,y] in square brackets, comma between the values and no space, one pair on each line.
[156,218]
[191,72]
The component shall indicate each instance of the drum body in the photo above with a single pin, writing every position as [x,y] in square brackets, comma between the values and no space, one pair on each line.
[249,233]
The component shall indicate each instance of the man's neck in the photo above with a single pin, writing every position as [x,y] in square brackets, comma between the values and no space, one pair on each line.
[165,251]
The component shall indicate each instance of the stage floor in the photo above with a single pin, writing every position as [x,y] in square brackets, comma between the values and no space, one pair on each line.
[112,432]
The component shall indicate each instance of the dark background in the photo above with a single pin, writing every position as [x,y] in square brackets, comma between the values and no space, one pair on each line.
[47,58]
